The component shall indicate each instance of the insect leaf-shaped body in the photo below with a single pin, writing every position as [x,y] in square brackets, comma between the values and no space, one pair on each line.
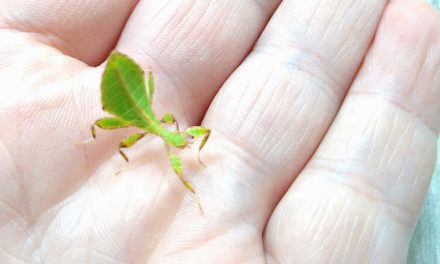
[123,92]
[125,97]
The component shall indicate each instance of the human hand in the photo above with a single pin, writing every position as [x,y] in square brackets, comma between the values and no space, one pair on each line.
[323,143]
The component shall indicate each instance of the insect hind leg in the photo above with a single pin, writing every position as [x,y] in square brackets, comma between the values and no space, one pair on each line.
[199,132]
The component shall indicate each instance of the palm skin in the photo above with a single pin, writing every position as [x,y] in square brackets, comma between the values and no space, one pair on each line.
[323,141]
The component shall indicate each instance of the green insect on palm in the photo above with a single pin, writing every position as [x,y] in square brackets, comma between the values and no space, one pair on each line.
[125,97]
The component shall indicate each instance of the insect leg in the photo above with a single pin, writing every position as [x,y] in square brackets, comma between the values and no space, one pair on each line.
[169,119]
[199,132]
[150,86]
[108,123]
[176,164]
[128,142]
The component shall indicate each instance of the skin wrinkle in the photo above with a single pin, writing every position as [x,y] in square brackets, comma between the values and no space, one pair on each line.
[15,217]
[363,17]
[7,157]
[203,241]
[258,182]
[352,234]
[125,250]
[171,25]
[91,254]
[165,229]
[396,146]
[210,26]
[381,232]
[305,57]
[298,138]
[312,18]
[25,109]
[359,241]
[43,234]
[85,155]
[265,107]
[23,192]
[41,34]
[105,39]
[12,256]
[371,243]
[335,12]
[233,107]
[297,115]
[408,148]
[260,103]
[309,124]
[372,130]
[286,89]
[318,213]
[323,244]
[248,156]
[436,88]
[349,9]
[402,105]
[86,210]
[64,249]
[46,38]
[394,152]
[364,187]
[418,174]
[253,102]
[95,232]
[420,68]
[321,215]
[347,224]
[339,238]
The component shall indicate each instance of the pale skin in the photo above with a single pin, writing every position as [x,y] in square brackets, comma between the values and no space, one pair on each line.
[323,138]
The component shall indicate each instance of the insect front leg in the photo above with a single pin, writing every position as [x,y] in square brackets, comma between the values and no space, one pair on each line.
[169,119]
[129,142]
[108,123]
[199,132]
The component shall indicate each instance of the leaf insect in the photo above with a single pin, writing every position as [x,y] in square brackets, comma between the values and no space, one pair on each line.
[125,97]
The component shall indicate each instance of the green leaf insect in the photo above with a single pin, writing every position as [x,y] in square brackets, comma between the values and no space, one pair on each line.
[125,97]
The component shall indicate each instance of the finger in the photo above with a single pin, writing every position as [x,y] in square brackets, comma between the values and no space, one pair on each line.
[268,119]
[358,199]
[192,47]
[277,106]
[86,30]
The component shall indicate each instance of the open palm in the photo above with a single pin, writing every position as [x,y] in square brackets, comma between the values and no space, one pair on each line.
[324,125]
